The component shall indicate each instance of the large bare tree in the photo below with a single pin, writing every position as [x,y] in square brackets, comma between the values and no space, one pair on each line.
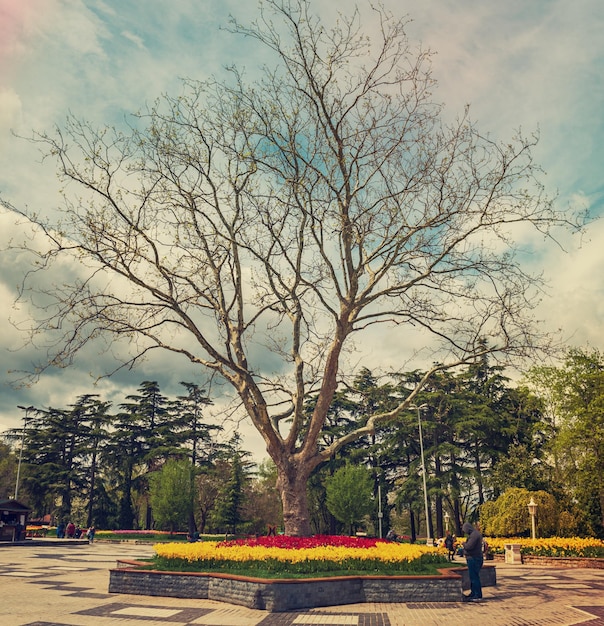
[261,228]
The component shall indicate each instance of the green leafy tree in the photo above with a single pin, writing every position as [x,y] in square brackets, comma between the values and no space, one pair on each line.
[350,494]
[574,396]
[171,494]
[191,433]
[508,516]
[207,489]
[61,454]
[470,422]
[518,469]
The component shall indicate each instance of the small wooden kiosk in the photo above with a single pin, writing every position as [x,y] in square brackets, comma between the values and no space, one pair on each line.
[13,520]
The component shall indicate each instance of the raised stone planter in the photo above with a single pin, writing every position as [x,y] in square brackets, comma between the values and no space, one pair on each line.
[561,561]
[558,561]
[287,595]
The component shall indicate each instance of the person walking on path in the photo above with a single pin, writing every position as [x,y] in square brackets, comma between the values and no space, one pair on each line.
[90,534]
[450,545]
[472,550]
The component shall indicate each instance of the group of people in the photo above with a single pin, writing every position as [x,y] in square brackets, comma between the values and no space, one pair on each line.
[473,549]
[71,531]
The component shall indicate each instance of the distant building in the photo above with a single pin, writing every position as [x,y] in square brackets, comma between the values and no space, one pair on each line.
[13,520]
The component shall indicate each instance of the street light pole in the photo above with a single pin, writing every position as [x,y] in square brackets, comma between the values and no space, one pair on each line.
[421,448]
[380,514]
[532,507]
[378,465]
[27,409]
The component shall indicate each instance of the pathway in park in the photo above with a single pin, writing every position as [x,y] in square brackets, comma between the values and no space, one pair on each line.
[54,585]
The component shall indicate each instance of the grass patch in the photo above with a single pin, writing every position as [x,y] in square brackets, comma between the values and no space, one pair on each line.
[312,569]
[150,536]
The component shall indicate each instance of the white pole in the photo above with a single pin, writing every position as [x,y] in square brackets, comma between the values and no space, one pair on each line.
[532,507]
[421,447]
[380,508]
[26,409]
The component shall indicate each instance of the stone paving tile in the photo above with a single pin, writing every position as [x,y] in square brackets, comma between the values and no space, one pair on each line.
[325,619]
[150,612]
[67,586]
[229,617]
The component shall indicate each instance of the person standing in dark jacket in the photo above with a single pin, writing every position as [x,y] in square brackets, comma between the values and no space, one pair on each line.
[450,545]
[472,550]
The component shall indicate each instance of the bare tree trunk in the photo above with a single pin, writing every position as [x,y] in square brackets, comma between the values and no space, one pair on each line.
[439,517]
[412,530]
[457,514]
[478,466]
[292,487]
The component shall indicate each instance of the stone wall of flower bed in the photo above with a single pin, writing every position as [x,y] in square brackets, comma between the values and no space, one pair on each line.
[558,561]
[287,595]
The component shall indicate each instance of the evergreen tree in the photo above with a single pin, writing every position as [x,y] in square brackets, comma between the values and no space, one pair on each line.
[53,460]
[124,453]
[228,512]
[8,471]
[191,431]
[155,440]
[94,419]
[192,434]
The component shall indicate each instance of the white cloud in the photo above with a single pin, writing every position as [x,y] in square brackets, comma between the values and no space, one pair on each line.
[135,39]
[518,63]
[576,305]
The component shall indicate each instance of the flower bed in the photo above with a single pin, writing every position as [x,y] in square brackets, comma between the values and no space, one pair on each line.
[552,547]
[284,557]
[36,530]
[148,535]
[291,573]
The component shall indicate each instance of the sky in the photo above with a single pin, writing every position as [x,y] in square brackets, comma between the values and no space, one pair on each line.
[534,65]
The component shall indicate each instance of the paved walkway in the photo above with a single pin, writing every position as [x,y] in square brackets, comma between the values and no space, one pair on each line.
[57,585]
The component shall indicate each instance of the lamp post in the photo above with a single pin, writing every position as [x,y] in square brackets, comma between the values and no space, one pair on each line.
[421,449]
[380,514]
[532,507]
[378,468]
[446,521]
[27,409]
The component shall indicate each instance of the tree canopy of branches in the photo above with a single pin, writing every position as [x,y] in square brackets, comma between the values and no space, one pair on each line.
[258,228]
